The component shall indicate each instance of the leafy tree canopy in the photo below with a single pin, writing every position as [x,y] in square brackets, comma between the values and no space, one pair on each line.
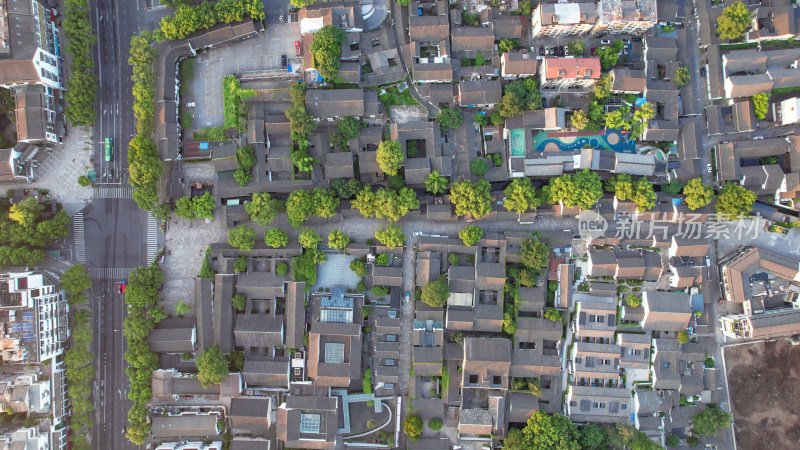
[242,237]
[697,194]
[734,200]
[520,196]
[391,236]
[449,118]
[338,239]
[276,238]
[471,198]
[326,49]
[309,238]
[734,21]
[435,293]
[534,253]
[263,209]
[470,235]
[583,189]
[212,366]
[550,431]
[710,421]
[390,157]
[436,184]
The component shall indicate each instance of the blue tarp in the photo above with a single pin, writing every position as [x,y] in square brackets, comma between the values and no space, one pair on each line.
[315,76]
[698,303]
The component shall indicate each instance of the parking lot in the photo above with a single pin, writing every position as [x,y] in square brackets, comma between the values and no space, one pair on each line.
[254,55]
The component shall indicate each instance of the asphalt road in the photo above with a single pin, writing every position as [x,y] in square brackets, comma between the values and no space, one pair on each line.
[114,228]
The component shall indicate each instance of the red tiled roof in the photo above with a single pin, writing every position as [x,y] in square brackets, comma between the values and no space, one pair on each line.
[572,68]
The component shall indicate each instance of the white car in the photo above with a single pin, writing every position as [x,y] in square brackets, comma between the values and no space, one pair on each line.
[708,168]
[758,138]
[605,41]
[539,57]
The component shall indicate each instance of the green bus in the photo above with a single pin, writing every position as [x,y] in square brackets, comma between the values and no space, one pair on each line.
[109,149]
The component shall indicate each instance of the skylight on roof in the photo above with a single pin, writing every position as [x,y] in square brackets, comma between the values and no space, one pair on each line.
[310,423]
[334,353]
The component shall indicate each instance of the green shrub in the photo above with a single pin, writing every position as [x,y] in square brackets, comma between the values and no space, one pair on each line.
[379,291]
[239,301]
[282,269]
[361,286]
[382,259]
[358,267]
[479,167]
[435,424]
[453,259]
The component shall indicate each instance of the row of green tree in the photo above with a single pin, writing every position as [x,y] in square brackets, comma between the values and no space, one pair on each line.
[584,189]
[81,84]
[246,158]
[189,18]
[78,359]
[25,227]
[302,124]
[554,431]
[548,431]
[141,297]
[144,164]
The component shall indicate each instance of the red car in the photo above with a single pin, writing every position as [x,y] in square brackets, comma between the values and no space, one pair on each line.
[297,47]
[121,286]
[593,49]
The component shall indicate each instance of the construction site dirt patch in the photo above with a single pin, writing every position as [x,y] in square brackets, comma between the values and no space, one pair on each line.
[763,378]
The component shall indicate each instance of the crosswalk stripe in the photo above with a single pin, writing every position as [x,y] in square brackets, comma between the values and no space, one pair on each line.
[80,239]
[110,273]
[152,238]
[113,192]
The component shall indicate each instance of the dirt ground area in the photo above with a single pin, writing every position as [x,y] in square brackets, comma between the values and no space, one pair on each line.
[763,382]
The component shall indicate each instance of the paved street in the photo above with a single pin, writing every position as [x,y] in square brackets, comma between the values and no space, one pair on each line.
[115,230]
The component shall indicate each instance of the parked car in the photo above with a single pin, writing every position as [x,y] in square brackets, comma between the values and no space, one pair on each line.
[560,50]
[708,167]
[297,48]
[566,51]
[593,49]
[702,71]
[605,41]
[626,41]
[541,50]
[626,51]
[539,58]
[283,62]
[758,138]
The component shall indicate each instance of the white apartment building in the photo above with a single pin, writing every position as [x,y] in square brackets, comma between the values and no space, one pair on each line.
[626,16]
[35,313]
[31,67]
[563,19]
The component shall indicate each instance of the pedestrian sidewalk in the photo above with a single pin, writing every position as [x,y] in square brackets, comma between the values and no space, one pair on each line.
[60,168]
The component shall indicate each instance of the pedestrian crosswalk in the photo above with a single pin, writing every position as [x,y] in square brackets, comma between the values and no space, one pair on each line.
[110,273]
[80,242]
[152,238]
[113,192]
